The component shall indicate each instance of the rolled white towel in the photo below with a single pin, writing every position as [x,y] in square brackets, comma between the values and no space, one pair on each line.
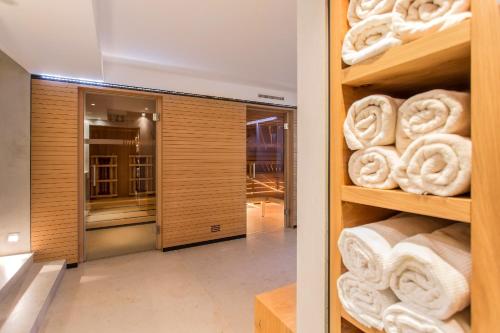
[438,164]
[431,272]
[369,38]
[362,9]
[372,167]
[371,121]
[362,302]
[366,249]
[399,318]
[413,19]
[435,111]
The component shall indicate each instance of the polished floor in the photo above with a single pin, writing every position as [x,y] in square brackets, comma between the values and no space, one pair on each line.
[273,219]
[207,289]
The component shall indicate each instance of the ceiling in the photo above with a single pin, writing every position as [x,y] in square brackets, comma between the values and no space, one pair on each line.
[51,37]
[248,42]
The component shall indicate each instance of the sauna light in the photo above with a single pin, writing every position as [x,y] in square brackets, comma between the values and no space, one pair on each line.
[13,237]
[93,104]
[146,109]
[143,114]
[260,121]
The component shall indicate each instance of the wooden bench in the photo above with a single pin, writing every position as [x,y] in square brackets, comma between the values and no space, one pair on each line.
[275,311]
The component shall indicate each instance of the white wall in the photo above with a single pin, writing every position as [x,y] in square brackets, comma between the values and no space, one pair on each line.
[312,166]
[154,77]
[15,156]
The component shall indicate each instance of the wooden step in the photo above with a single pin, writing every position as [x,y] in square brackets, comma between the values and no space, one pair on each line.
[120,222]
[120,202]
[117,215]
[12,270]
[30,310]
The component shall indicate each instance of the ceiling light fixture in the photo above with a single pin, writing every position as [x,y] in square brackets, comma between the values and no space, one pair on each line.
[146,109]
[260,121]
[144,114]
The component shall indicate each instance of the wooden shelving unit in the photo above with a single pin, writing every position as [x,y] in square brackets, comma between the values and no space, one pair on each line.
[463,57]
[103,176]
[141,176]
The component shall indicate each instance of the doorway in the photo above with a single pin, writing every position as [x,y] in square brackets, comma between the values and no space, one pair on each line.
[269,168]
[119,174]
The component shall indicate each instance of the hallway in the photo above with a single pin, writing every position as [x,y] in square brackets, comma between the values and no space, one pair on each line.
[207,289]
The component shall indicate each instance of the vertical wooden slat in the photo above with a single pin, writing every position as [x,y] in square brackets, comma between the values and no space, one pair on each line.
[485,81]
[338,27]
[204,170]
[54,171]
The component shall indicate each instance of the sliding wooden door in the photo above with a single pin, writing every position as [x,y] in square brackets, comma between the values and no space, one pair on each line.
[204,170]
[54,171]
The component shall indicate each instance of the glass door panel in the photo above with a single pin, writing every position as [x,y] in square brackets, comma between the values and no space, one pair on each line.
[265,157]
[120,200]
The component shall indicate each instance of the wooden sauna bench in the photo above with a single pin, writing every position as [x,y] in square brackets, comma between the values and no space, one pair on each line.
[275,311]
[105,213]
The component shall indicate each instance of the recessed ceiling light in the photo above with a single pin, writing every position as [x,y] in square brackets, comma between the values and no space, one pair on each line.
[146,109]
[92,104]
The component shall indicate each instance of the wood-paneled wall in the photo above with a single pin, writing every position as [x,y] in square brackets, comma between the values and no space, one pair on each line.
[54,171]
[203,175]
[204,170]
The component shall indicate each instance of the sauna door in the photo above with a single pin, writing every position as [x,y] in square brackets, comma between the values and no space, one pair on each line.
[266,160]
[120,175]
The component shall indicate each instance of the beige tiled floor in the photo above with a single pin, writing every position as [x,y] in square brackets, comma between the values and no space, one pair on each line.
[197,290]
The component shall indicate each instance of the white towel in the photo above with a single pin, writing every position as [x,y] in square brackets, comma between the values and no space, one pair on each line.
[369,38]
[362,9]
[413,19]
[362,302]
[371,121]
[438,164]
[431,272]
[399,318]
[435,111]
[372,167]
[366,249]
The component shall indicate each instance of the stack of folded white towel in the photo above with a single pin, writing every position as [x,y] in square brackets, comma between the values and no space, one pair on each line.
[377,25]
[421,145]
[409,273]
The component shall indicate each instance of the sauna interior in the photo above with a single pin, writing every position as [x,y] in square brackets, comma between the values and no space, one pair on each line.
[266,164]
[119,175]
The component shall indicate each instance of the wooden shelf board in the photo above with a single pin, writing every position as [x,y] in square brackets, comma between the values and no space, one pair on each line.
[438,60]
[357,324]
[453,208]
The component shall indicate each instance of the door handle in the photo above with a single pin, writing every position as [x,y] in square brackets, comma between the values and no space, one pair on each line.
[94,176]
